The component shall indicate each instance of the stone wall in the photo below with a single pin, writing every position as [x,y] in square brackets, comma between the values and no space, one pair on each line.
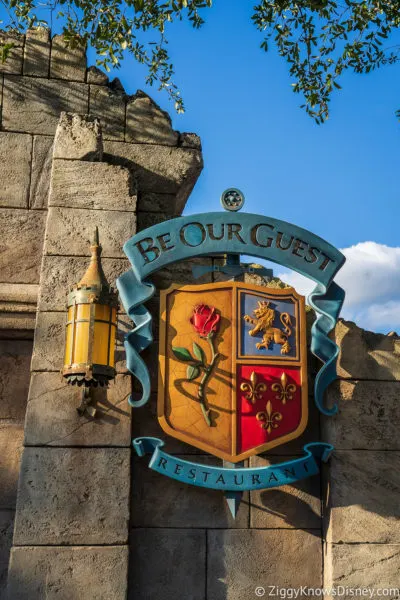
[122,168]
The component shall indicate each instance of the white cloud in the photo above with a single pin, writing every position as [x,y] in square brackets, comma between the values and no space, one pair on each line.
[371,280]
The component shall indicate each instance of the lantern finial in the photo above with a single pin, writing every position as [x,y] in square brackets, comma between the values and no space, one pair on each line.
[94,276]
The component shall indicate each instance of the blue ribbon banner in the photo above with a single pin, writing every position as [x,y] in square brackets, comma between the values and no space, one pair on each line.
[233,480]
[232,233]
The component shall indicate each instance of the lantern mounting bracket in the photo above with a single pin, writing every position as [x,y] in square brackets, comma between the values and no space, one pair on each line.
[87,407]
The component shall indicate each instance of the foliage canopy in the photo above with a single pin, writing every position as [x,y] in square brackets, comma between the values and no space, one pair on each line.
[319,39]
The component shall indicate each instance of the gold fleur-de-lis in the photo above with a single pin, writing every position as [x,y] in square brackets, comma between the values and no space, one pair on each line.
[253,388]
[285,390]
[269,420]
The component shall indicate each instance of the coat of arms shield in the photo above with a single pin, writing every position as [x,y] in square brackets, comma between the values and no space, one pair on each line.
[232,367]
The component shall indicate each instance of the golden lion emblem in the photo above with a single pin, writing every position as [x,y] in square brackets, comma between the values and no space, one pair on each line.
[265,317]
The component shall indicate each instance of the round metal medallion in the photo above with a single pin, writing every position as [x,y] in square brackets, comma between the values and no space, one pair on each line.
[232,199]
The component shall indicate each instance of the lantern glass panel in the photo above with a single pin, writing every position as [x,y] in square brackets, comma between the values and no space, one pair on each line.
[81,342]
[102,312]
[100,343]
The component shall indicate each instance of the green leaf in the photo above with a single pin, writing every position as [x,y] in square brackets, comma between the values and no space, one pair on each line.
[182,354]
[192,372]
[199,353]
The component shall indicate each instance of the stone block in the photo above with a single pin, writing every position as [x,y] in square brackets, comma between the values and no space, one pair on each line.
[368,417]
[60,273]
[41,171]
[189,140]
[159,500]
[15,169]
[96,76]
[66,62]
[6,534]
[37,52]
[366,355]
[96,186]
[296,506]
[11,446]
[168,563]
[52,418]
[78,137]
[15,360]
[13,63]
[146,123]
[153,203]
[159,169]
[109,105]
[370,566]
[69,231]
[147,219]
[48,349]
[21,245]
[62,573]
[363,497]
[73,496]
[239,561]
[34,104]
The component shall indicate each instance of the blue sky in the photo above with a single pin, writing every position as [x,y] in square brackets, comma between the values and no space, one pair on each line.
[339,180]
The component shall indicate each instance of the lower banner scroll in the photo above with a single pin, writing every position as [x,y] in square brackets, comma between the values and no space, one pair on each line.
[241,479]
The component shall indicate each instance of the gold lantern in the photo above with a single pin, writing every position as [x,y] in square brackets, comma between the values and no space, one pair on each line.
[91,330]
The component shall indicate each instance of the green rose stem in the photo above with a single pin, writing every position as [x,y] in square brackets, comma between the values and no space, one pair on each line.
[207,373]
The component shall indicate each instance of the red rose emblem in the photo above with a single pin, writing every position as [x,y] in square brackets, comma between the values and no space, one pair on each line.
[205,319]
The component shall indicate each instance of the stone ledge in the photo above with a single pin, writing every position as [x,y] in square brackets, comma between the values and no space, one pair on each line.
[73,496]
[62,573]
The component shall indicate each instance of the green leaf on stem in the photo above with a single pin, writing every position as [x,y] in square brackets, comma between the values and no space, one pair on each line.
[199,353]
[182,354]
[192,372]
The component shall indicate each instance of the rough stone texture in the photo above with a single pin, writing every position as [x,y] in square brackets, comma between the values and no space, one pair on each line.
[37,52]
[296,506]
[109,105]
[60,273]
[41,170]
[15,169]
[92,185]
[87,503]
[365,566]
[158,501]
[11,446]
[189,140]
[69,231]
[239,561]
[78,137]
[6,534]
[159,169]
[363,502]
[153,203]
[34,104]
[48,349]
[21,245]
[61,573]
[368,417]
[13,63]
[366,355]
[147,219]
[67,63]
[96,76]
[146,123]
[15,359]
[52,418]
[168,563]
